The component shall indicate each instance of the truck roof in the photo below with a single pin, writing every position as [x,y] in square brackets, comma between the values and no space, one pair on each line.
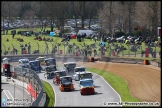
[80,67]
[70,63]
[66,77]
[87,79]
[85,73]
[49,58]
[23,59]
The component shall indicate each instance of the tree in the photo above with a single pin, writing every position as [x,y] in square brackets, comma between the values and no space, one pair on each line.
[108,17]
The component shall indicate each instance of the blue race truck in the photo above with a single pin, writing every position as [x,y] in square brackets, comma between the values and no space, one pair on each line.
[35,65]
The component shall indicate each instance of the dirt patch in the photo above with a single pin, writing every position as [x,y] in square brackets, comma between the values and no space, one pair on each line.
[144,81]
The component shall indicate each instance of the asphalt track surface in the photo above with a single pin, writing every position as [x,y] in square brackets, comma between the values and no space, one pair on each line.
[103,93]
[11,91]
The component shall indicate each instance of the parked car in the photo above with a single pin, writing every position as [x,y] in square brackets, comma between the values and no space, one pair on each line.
[132,40]
[121,39]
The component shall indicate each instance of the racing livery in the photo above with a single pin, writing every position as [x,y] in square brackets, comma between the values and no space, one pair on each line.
[66,83]
[41,60]
[77,72]
[24,63]
[49,71]
[86,87]
[35,65]
[57,75]
[69,67]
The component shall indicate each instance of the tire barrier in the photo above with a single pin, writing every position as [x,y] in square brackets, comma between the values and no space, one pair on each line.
[146,62]
[91,59]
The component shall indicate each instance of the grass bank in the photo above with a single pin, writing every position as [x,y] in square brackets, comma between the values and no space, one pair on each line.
[50,96]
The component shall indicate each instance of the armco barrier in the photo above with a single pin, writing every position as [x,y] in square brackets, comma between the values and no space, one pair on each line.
[31,91]
[33,84]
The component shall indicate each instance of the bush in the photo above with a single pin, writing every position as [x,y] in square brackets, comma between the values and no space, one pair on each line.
[88,37]
[137,33]
[119,34]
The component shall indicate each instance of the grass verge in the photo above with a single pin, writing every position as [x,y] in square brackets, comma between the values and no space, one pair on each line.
[50,97]
[118,83]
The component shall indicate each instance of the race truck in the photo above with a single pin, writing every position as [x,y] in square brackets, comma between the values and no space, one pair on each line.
[50,61]
[66,83]
[46,62]
[85,75]
[35,65]
[49,71]
[23,63]
[41,60]
[69,67]
[57,75]
[86,86]
[77,71]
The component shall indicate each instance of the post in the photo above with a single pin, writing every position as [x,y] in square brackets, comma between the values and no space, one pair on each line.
[4,48]
[110,51]
[155,52]
[52,47]
[128,50]
[141,51]
[14,92]
[23,90]
[38,47]
[12,49]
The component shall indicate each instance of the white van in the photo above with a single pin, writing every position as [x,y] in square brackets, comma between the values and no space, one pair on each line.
[88,32]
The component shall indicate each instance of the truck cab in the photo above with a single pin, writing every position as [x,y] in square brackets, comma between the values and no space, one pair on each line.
[41,60]
[85,75]
[24,63]
[66,83]
[77,72]
[50,61]
[86,86]
[35,65]
[69,67]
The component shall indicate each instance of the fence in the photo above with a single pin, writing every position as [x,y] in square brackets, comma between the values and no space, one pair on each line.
[33,80]
[83,49]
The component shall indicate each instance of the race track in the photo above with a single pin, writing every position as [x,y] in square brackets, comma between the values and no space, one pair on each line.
[104,93]
[11,91]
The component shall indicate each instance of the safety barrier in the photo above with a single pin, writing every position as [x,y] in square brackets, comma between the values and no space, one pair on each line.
[32,83]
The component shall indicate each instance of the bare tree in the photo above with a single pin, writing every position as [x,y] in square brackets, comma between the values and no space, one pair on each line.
[108,16]
[148,15]
[8,11]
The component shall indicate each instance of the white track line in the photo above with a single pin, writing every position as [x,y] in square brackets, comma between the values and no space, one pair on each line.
[9,96]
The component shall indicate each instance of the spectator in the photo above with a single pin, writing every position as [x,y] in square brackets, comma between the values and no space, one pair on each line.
[7,40]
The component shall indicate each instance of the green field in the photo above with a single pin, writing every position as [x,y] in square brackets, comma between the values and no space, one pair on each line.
[42,45]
